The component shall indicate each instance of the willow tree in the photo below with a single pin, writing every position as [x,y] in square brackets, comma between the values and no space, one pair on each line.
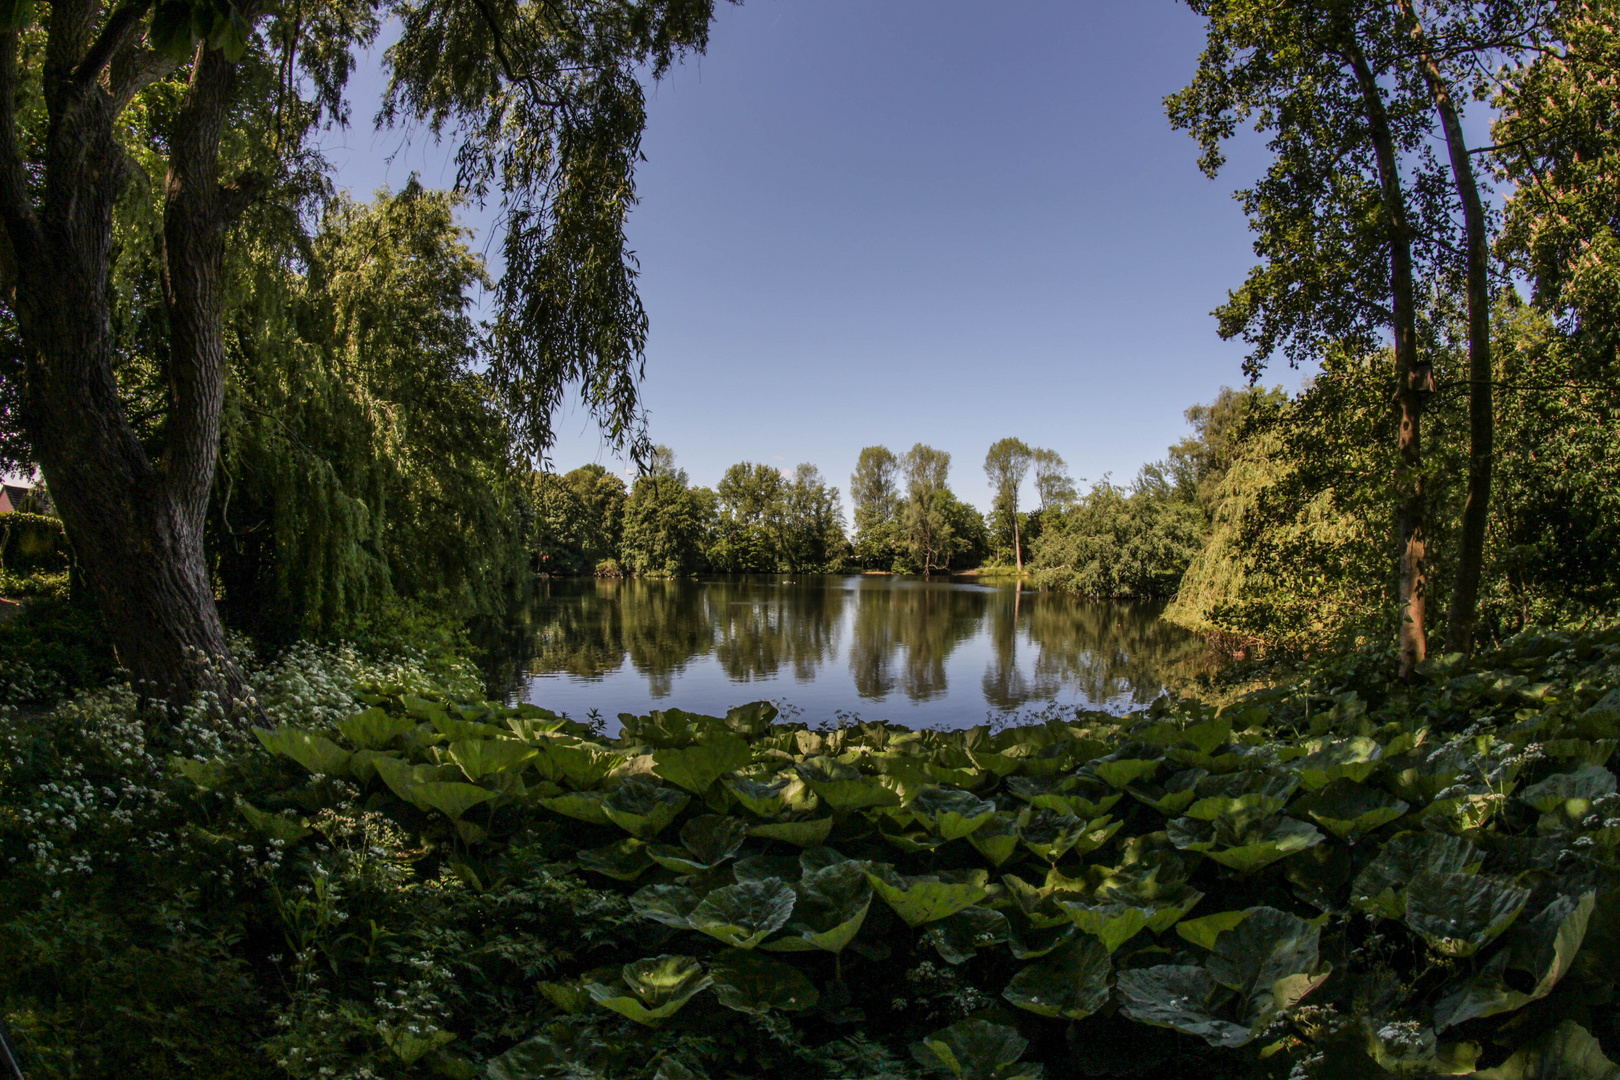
[1348,226]
[209,103]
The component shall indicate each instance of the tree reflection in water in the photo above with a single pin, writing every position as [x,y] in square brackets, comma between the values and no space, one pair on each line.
[902,639]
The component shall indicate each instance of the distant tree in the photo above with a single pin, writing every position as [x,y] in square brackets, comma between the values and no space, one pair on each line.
[666,523]
[1006,465]
[926,532]
[874,489]
[578,519]
[1052,481]
[1198,463]
[811,523]
[745,539]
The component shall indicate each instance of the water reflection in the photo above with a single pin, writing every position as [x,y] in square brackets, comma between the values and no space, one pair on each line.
[938,651]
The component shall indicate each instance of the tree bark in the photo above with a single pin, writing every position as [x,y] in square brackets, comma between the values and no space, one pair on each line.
[135,518]
[1461,618]
[1414,376]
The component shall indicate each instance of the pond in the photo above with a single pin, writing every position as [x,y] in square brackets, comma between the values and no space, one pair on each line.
[936,652]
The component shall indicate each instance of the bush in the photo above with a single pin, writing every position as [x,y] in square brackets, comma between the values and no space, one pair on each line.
[1335,876]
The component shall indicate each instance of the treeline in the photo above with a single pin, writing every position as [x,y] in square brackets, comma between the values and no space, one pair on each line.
[758,519]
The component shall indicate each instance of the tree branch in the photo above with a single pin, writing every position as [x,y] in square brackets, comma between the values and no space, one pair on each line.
[120,29]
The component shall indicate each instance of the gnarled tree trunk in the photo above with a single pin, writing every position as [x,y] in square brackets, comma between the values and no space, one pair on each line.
[135,518]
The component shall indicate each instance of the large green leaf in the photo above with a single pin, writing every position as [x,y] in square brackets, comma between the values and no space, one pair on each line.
[756,984]
[276,827]
[844,787]
[651,990]
[643,809]
[975,1050]
[579,765]
[997,838]
[478,758]
[832,906]
[449,797]
[374,729]
[696,768]
[314,752]
[1545,948]
[1570,794]
[1271,959]
[1381,887]
[957,938]
[1244,846]
[526,1060]
[1111,924]
[1071,982]
[1567,1052]
[1051,836]
[951,813]
[625,860]
[579,805]
[1350,810]
[1184,998]
[671,905]
[1457,914]
[770,798]
[803,832]
[1203,932]
[929,897]
[1353,759]
[744,914]
[706,842]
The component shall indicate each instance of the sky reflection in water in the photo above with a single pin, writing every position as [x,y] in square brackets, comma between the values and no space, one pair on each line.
[939,653]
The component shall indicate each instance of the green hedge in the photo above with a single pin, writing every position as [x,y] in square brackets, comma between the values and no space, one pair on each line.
[32,543]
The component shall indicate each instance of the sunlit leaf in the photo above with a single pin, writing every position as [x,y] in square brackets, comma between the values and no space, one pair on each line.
[696,768]
[1457,914]
[314,752]
[744,914]
[643,809]
[374,728]
[930,897]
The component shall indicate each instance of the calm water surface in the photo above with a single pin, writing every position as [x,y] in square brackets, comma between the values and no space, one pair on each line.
[940,652]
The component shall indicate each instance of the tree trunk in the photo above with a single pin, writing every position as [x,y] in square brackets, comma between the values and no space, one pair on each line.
[1414,378]
[1018,547]
[1461,618]
[135,520]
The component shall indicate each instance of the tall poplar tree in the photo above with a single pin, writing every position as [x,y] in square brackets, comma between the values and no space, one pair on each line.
[1006,465]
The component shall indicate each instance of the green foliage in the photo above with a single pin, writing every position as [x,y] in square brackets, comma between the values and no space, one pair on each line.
[32,543]
[1341,873]
[363,458]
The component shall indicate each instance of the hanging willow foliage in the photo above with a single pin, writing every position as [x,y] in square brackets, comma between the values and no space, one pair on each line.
[363,455]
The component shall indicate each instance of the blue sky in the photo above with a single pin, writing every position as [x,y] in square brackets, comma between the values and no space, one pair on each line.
[893,221]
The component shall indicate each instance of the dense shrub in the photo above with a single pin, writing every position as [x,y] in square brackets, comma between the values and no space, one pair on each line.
[1338,876]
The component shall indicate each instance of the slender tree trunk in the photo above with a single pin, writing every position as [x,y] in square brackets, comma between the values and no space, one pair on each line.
[1461,618]
[135,519]
[1414,377]
[1018,547]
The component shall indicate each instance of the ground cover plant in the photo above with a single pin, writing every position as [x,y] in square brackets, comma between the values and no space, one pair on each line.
[1334,877]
